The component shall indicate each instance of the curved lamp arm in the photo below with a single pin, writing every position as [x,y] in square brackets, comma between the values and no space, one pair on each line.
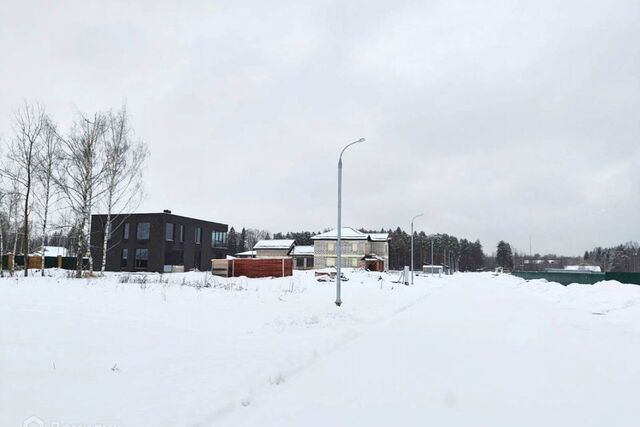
[349,145]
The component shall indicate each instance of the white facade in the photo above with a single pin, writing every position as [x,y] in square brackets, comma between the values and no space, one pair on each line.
[273,248]
[355,246]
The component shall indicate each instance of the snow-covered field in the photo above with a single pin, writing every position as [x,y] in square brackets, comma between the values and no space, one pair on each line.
[194,350]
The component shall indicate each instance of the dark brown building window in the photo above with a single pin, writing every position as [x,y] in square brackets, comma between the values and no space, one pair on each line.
[125,231]
[142,232]
[124,261]
[169,232]
[198,235]
[218,239]
[142,258]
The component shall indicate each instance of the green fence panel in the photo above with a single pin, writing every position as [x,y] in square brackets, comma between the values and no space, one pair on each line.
[68,263]
[587,278]
[631,278]
[50,262]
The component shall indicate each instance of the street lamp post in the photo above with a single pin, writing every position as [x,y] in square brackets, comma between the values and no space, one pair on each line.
[412,219]
[432,274]
[339,239]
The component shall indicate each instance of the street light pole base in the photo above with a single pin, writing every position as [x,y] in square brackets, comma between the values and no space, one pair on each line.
[338,303]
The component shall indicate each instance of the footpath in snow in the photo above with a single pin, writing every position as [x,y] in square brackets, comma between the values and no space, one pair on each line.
[190,349]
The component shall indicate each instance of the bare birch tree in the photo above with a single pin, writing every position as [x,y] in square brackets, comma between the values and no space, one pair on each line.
[80,178]
[20,163]
[2,199]
[123,163]
[14,221]
[47,161]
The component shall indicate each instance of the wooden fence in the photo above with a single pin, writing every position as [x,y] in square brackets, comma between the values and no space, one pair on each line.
[253,267]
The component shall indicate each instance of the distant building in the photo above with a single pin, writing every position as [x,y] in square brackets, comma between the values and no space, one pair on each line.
[364,250]
[432,269]
[51,251]
[274,248]
[302,257]
[160,242]
[593,268]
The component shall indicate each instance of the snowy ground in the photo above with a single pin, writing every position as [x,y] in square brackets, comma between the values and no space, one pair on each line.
[193,350]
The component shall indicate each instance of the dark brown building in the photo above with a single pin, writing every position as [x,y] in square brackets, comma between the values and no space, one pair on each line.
[160,242]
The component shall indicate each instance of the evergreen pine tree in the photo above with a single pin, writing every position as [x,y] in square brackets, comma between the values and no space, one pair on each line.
[232,242]
[242,241]
[504,256]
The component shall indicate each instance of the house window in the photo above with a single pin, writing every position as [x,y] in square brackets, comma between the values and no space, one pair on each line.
[331,262]
[198,235]
[124,260]
[143,231]
[181,233]
[354,247]
[142,258]
[331,247]
[309,262]
[125,231]
[354,262]
[168,232]
[219,239]
[300,262]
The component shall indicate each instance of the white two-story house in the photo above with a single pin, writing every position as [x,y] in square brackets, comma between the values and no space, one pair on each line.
[359,250]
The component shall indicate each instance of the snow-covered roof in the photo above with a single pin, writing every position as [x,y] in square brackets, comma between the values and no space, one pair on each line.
[347,233]
[303,250]
[379,237]
[583,268]
[52,251]
[246,253]
[274,244]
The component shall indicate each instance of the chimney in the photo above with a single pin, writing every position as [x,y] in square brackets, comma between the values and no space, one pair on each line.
[167,211]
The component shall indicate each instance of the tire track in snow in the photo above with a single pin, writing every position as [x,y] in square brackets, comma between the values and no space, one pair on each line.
[245,396]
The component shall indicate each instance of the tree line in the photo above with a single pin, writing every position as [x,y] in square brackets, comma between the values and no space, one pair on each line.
[620,258]
[53,180]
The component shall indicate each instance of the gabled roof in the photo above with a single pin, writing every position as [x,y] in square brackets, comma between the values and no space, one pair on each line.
[379,237]
[274,244]
[349,233]
[346,233]
[246,253]
[303,250]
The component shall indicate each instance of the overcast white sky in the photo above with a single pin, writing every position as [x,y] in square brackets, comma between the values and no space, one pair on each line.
[497,119]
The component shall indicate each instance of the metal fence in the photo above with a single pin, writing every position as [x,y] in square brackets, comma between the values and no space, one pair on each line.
[583,277]
[68,263]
